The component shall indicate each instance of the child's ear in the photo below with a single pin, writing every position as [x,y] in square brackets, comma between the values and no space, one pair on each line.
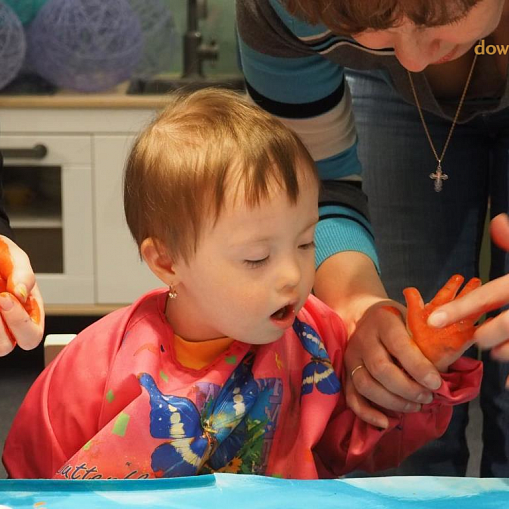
[158,259]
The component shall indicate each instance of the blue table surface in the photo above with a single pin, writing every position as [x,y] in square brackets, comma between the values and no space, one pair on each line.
[225,491]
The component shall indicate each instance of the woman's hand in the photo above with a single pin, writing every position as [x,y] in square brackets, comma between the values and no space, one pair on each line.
[382,381]
[349,284]
[493,333]
[21,306]
[379,338]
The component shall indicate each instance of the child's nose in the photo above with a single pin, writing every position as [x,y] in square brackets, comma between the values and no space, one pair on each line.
[290,275]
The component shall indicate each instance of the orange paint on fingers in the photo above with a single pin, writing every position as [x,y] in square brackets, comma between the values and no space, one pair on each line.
[32,308]
[474,283]
[6,265]
[415,314]
[413,298]
[438,344]
[448,291]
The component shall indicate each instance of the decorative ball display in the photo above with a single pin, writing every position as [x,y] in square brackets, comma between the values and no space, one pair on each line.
[85,45]
[25,9]
[160,40]
[12,44]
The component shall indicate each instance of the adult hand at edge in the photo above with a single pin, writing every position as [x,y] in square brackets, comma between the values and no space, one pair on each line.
[21,305]
[379,338]
[348,282]
[493,333]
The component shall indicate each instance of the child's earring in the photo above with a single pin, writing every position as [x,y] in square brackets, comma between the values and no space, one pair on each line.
[172,293]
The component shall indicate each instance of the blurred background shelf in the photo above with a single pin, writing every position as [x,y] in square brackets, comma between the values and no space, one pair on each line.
[163,85]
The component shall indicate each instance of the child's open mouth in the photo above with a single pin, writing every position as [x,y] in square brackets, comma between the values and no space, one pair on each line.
[284,317]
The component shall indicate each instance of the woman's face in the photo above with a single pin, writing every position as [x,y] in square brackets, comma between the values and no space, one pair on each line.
[418,47]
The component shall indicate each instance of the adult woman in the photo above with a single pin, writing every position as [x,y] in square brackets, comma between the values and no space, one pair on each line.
[16,271]
[411,58]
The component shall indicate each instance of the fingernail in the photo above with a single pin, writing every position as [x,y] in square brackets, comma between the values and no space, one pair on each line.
[412,407]
[21,291]
[382,425]
[432,381]
[425,397]
[437,319]
[6,302]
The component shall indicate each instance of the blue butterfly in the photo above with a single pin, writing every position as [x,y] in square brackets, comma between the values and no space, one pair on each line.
[319,371]
[195,439]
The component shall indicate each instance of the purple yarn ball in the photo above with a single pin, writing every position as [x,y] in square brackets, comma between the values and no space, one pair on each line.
[12,45]
[85,45]
[160,41]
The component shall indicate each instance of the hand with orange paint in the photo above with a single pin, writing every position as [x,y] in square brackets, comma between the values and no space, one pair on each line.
[493,333]
[21,306]
[445,345]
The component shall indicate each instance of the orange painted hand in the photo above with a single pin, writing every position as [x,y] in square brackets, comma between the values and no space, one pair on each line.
[21,307]
[492,296]
[441,346]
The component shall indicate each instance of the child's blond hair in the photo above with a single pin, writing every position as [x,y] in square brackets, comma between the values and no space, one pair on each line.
[203,144]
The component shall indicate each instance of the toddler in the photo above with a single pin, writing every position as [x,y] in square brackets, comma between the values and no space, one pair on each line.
[234,366]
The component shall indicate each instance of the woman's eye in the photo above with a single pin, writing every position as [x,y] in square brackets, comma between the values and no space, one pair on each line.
[309,245]
[256,263]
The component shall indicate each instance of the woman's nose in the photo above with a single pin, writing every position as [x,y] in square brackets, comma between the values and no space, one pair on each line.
[415,51]
[412,59]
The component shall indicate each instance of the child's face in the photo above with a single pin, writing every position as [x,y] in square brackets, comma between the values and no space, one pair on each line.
[252,271]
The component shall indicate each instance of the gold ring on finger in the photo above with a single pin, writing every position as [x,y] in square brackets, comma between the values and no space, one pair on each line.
[354,370]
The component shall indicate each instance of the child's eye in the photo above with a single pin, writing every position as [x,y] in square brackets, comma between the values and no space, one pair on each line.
[309,245]
[253,264]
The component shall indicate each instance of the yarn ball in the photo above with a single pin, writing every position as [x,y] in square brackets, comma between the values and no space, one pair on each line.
[12,44]
[25,9]
[160,40]
[85,45]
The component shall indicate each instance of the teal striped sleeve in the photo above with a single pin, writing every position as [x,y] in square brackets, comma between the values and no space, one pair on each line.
[287,73]
[343,229]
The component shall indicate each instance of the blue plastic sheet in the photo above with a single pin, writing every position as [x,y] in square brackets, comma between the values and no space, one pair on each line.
[225,491]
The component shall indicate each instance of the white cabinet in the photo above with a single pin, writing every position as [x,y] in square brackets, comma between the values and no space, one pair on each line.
[75,230]
[121,277]
[50,208]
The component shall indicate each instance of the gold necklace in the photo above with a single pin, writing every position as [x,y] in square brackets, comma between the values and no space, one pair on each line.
[439,176]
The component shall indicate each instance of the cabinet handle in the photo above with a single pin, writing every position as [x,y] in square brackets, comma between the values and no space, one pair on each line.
[38,151]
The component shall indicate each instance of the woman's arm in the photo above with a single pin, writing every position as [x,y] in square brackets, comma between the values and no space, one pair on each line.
[349,284]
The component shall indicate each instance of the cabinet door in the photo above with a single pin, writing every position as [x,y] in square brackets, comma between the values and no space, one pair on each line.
[121,276]
[49,202]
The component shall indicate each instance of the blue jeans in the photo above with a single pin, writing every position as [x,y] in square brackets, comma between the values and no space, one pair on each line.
[424,237]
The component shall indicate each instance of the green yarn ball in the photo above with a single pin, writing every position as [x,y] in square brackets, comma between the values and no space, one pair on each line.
[26,10]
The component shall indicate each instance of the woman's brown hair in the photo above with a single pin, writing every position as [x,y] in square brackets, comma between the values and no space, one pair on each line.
[354,16]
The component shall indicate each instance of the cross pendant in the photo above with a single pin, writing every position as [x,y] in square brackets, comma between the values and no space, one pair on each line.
[438,177]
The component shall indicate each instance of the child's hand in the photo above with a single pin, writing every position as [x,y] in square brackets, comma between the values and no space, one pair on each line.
[441,346]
